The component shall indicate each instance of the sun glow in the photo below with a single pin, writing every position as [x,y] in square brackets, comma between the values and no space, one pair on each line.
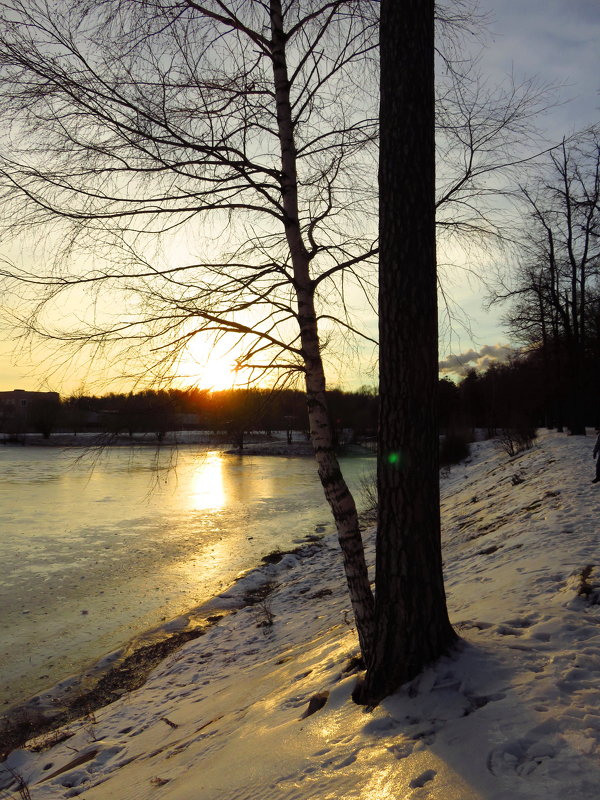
[208,368]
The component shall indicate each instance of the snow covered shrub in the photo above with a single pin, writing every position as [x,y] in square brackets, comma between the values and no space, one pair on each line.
[19,782]
[264,613]
[517,439]
[260,598]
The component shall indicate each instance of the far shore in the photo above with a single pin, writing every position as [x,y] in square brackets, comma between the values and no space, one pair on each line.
[255,444]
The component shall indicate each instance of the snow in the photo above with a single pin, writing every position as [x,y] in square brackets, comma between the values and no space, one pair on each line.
[513,713]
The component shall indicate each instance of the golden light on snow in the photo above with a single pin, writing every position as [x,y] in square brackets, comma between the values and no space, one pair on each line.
[381,786]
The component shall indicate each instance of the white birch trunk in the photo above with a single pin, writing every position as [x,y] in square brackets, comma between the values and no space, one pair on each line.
[336,491]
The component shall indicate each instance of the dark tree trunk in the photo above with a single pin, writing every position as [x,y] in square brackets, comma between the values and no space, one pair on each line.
[412,628]
[576,393]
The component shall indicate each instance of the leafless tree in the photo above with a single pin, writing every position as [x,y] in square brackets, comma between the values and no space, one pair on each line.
[553,287]
[127,120]
[242,136]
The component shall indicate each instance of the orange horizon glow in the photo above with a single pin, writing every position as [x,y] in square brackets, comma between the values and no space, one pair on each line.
[208,368]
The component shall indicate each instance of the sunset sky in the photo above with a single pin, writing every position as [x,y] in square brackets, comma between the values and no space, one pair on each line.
[557,42]
[553,40]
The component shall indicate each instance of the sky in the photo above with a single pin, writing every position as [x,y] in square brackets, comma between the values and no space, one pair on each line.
[557,42]
[553,40]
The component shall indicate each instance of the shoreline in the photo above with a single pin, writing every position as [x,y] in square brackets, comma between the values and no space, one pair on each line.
[70,680]
[261,705]
[255,444]
[98,441]
[127,668]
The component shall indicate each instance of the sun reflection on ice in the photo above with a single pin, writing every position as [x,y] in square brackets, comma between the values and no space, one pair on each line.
[208,490]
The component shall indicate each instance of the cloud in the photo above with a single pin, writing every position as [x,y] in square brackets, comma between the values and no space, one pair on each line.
[477,359]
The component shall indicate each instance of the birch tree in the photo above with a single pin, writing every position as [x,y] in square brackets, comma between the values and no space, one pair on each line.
[127,121]
[243,134]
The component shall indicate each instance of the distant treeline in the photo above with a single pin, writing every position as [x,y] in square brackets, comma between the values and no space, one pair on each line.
[533,391]
[231,412]
[524,393]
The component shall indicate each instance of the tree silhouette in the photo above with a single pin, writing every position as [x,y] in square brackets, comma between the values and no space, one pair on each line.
[412,628]
[554,286]
[240,135]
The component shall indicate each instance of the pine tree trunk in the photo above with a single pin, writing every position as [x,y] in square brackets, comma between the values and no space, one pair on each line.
[412,628]
[336,491]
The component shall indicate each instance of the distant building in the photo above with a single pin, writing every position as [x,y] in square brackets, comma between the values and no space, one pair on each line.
[19,400]
[21,410]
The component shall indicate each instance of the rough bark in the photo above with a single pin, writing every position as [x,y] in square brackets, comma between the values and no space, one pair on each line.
[412,627]
[336,491]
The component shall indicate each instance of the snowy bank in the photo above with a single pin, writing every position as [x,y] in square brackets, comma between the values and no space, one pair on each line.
[513,713]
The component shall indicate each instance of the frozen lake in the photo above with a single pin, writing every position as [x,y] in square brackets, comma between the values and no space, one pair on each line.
[95,551]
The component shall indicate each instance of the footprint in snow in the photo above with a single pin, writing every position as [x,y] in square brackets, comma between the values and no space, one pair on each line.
[316,703]
[425,738]
[402,750]
[345,762]
[521,756]
[515,627]
[422,779]
[522,622]
[477,702]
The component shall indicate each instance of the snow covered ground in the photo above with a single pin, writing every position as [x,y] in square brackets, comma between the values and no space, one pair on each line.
[513,713]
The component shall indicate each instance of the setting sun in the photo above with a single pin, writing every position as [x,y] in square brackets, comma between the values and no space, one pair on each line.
[208,367]
[217,375]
